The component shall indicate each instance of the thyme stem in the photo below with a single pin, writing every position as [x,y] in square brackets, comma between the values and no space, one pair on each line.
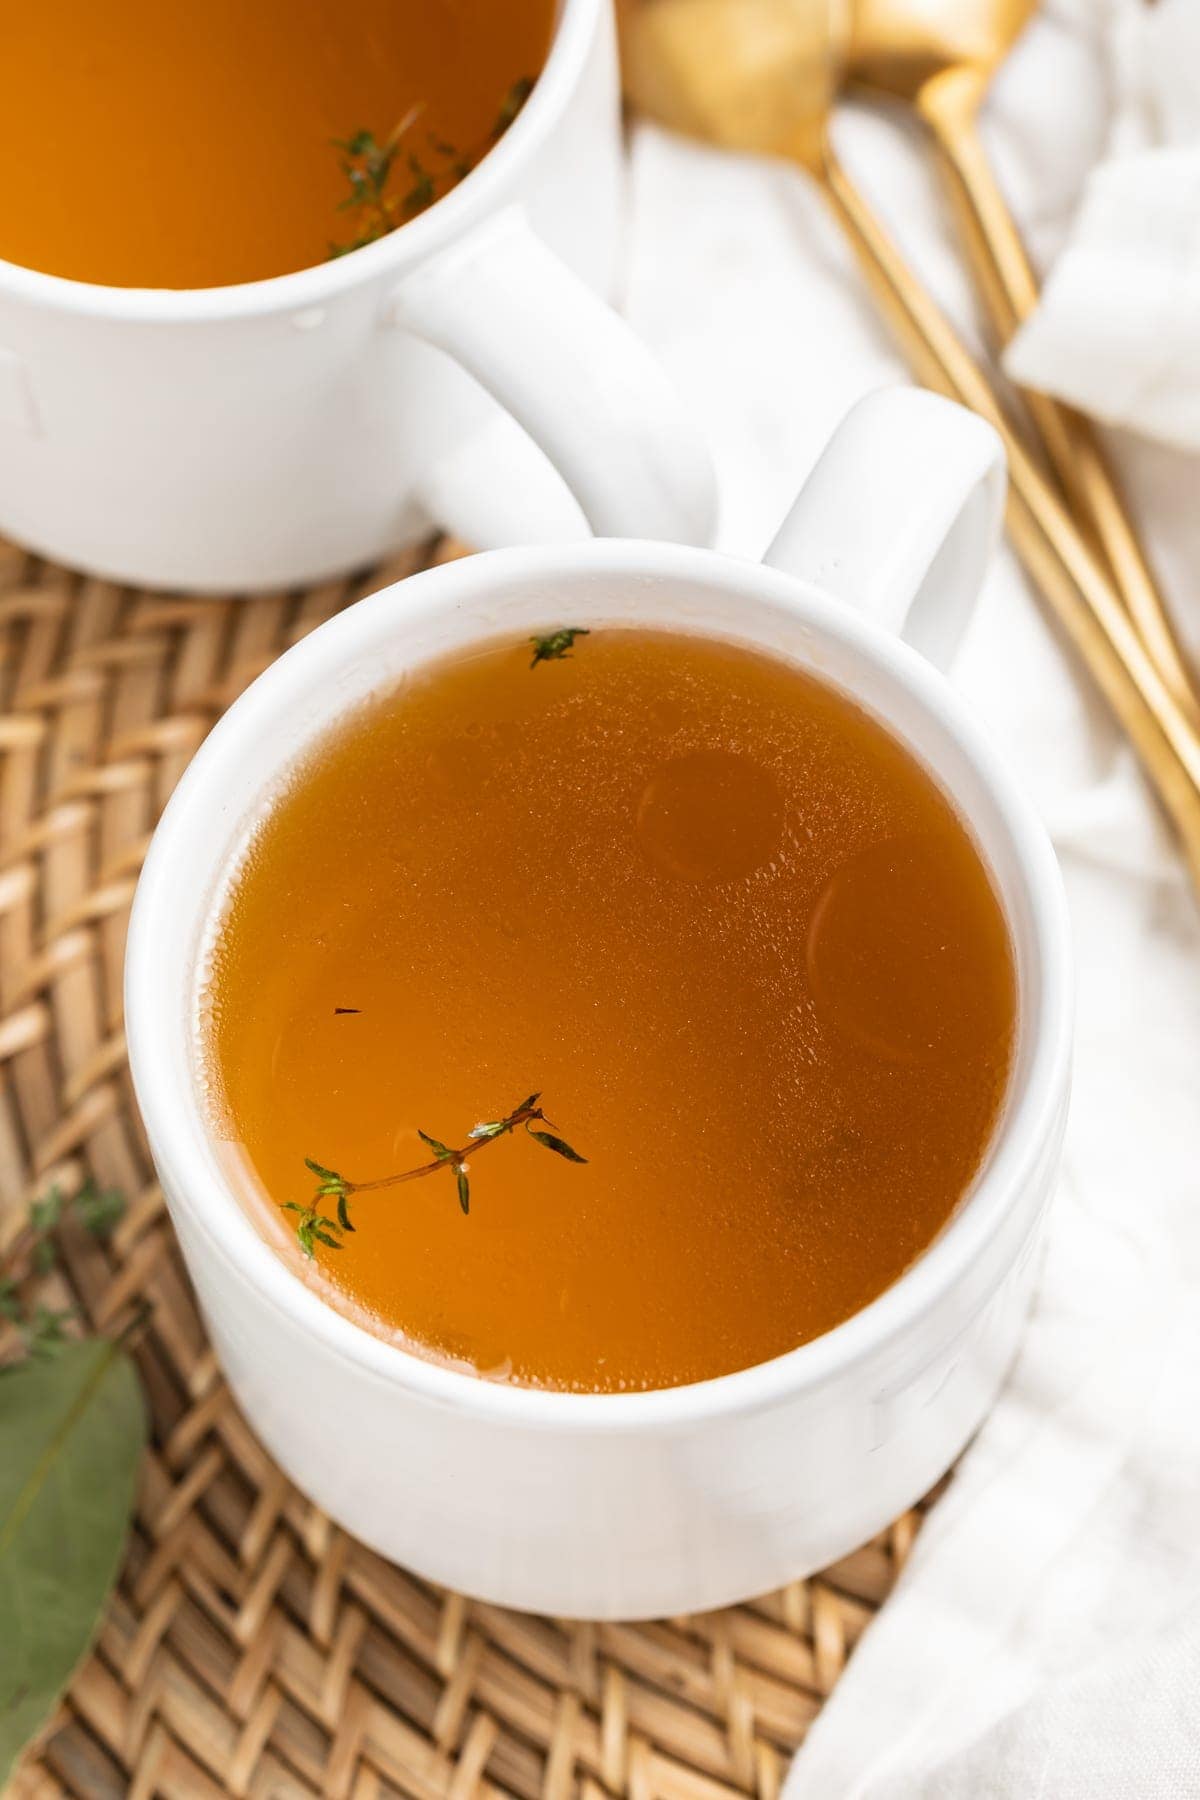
[472,1147]
[316,1227]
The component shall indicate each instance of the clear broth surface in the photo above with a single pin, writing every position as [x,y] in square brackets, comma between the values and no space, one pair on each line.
[718,916]
[152,144]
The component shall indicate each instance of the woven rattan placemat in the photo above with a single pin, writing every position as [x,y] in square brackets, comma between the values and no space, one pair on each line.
[252,1648]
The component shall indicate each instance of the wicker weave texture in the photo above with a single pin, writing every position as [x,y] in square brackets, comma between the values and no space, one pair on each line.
[252,1648]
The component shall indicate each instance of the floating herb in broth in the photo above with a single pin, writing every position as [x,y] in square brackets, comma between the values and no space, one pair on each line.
[144,145]
[725,920]
[316,1227]
[427,166]
[557,645]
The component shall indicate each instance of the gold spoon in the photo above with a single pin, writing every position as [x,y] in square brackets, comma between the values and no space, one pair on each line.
[760,76]
[940,56]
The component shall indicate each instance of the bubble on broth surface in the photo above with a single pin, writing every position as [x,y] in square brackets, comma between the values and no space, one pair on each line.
[893,951]
[711,815]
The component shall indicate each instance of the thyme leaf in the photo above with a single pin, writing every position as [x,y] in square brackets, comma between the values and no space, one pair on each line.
[557,645]
[558,1145]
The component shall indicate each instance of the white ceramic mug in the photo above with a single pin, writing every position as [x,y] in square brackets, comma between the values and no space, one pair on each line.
[281,431]
[672,1501]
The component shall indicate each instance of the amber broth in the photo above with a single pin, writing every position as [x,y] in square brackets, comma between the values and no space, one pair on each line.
[718,915]
[145,144]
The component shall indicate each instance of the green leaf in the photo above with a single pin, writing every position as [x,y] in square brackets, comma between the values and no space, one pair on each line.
[512,103]
[494,1128]
[343,1212]
[358,144]
[422,192]
[559,1147]
[45,1214]
[439,1149]
[10,1301]
[324,1236]
[557,645]
[99,1210]
[317,1169]
[71,1433]
[464,1189]
[44,1331]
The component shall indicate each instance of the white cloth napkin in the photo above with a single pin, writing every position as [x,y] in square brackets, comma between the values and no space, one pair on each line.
[1116,331]
[1045,1638]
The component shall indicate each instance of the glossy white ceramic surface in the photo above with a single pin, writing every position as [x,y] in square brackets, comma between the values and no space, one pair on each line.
[281,431]
[665,1502]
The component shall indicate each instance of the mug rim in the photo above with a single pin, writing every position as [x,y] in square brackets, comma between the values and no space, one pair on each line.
[173,1113]
[476,194]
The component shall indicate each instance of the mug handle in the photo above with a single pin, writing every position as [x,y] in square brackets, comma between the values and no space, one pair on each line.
[900,516]
[572,374]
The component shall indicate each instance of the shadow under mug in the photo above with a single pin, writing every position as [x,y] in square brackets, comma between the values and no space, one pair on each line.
[625,1505]
[456,373]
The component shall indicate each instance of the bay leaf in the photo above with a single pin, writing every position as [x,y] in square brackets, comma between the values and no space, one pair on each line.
[71,1433]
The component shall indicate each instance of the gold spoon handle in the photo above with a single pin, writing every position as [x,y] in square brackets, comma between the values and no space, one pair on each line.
[949,104]
[1045,536]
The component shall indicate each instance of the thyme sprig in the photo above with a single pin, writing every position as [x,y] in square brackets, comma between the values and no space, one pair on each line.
[369,165]
[557,645]
[34,1251]
[317,1226]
